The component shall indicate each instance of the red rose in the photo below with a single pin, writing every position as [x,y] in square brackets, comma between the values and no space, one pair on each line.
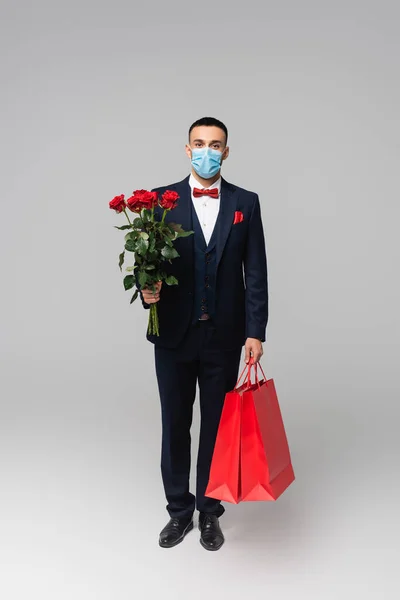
[169,200]
[142,199]
[118,203]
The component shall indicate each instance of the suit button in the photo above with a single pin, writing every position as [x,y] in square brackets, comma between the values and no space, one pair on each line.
[207,285]
[203,308]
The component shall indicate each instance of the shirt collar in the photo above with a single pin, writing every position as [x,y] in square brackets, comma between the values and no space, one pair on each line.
[194,183]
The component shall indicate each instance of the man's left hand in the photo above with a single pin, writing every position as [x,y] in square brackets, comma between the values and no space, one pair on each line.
[253,349]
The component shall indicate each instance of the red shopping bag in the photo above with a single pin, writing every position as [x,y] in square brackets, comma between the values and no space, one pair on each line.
[266,467]
[223,482]
[251,459]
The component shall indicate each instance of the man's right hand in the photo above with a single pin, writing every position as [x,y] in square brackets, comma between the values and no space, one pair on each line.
[148,296]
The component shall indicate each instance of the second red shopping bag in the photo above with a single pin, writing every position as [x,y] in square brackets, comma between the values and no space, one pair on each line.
[223,482]
[224,478]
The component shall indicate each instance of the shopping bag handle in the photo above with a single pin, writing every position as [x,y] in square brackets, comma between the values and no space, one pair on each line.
[248,367]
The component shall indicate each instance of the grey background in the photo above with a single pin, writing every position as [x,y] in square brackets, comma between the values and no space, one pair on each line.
[96,100]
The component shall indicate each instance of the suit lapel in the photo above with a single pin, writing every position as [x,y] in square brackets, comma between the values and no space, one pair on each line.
[228,203]
[182,214]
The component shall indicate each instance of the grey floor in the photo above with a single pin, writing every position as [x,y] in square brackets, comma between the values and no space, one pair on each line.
[81,504]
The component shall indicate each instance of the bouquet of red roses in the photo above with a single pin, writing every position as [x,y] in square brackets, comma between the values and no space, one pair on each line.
[151,240]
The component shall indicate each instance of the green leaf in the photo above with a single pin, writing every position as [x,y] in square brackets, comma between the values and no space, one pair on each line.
[132,235]
[145,215]
[169,252]
[138,223]
[144,235]
[130,268]
[142,278]
[142,246]
[123,227]
[129,282]
[121,260]
[135,295]
[179,232]
[171,280]
[167,232]
[149,267]
[130,246]
[185,233]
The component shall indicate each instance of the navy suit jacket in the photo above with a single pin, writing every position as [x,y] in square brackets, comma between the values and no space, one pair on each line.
[241,280]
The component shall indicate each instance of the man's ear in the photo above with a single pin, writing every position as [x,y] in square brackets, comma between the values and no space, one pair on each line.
[188,151]
[225,153]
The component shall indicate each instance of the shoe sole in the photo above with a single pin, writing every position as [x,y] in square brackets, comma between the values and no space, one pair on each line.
[179,540]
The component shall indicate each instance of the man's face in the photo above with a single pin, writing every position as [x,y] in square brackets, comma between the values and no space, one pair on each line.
[207,136]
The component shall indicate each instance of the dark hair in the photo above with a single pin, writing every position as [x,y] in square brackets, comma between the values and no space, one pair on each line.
[210,122]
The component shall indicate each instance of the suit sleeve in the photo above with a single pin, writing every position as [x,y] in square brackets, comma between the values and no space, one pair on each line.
[256,276]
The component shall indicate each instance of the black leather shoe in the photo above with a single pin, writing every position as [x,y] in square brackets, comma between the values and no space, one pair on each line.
[211,537]
[174,531]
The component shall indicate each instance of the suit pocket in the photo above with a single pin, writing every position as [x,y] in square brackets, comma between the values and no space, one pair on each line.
[238,234]
[238,226]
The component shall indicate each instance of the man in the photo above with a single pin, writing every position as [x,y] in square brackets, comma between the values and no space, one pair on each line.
[219,305]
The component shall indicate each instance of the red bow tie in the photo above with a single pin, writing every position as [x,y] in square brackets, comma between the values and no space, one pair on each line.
[213,192]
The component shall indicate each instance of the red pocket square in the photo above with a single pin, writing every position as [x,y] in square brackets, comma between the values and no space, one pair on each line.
[238,217]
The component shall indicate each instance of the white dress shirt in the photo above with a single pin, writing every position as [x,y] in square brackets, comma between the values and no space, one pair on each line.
[207,208]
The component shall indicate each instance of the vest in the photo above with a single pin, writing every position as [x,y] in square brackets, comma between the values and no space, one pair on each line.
[204,269]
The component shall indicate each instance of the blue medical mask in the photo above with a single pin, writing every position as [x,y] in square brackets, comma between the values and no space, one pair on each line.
[206,161]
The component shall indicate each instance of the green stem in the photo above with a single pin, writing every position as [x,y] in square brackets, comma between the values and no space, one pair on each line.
[157,328]
[163,217]
[156,320]
[153,327]
[126,214]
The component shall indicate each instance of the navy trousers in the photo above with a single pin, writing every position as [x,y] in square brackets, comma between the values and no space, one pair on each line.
[197,359]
